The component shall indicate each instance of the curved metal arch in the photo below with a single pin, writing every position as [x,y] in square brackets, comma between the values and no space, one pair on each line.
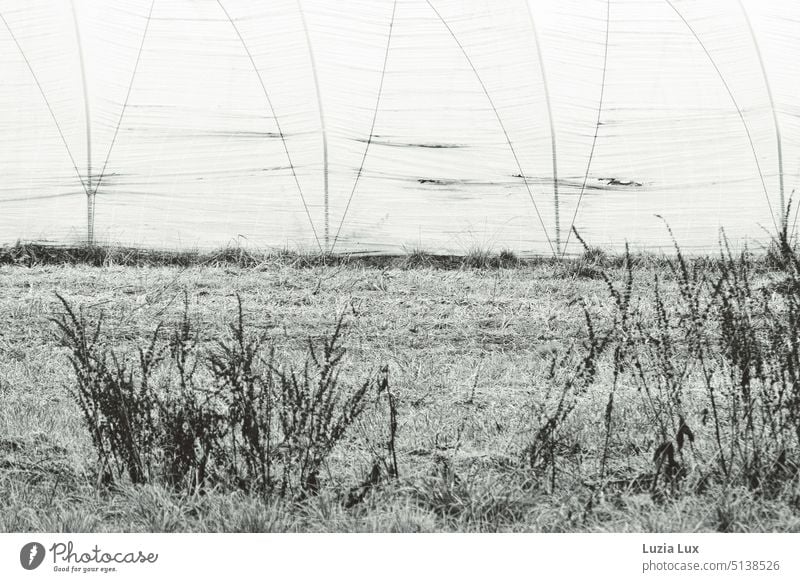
[768,86]
[553,140]
[322,124]
[87,114]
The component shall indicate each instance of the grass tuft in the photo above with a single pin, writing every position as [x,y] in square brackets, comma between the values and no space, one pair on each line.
[657,394]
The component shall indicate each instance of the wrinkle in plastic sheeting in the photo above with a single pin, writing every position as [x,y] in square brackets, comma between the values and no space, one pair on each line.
[378,125]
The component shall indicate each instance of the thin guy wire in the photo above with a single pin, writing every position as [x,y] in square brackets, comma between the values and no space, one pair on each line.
[47,103]
[127,98]
[735,104]
[275,117]
[372,127]
[553,142]
[88,120]
[768,86]
[499,121]
[321,120]
[596,126]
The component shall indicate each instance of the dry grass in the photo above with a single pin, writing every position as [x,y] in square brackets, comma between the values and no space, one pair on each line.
[469,351]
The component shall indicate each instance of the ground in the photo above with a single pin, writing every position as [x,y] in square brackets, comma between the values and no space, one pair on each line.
[468,352]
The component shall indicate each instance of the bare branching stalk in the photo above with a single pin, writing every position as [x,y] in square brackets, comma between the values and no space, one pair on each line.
[228,415]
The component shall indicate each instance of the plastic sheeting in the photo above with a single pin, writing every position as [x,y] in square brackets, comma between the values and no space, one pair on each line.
[378,125]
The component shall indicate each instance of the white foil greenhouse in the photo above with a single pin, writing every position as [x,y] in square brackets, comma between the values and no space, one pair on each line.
[378,125]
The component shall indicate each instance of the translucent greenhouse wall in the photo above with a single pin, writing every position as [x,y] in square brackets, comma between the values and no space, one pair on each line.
[378,125]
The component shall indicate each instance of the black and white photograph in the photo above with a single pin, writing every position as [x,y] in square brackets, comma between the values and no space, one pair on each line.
[399,266]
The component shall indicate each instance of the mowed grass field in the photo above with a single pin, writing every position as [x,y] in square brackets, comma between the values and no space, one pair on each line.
[470,354]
